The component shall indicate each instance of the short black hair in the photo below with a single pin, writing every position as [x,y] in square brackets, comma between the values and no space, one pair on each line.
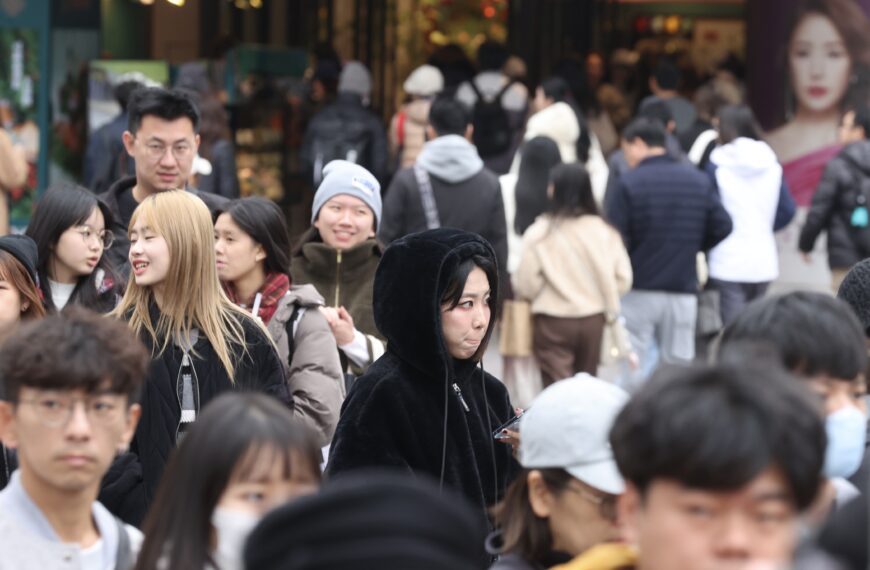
[737,121]
[657,111]
[263,220]
[650,131]
[491,56]
[124,90]
[166,104]
[448,116]
[855,290]
[813,333]
[77,349]
[716,428]
[667,74]
[862,119]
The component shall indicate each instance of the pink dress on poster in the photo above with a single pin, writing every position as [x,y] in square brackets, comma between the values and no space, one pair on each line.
[803,174]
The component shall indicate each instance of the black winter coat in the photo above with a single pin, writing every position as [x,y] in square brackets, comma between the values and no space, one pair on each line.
[118,253]
[131,483]
[394,415]
[836,198]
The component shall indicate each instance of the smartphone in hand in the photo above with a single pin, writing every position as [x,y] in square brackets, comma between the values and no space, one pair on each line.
[512,425]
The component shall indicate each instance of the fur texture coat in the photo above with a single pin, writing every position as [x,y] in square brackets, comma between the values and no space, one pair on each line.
[395,413]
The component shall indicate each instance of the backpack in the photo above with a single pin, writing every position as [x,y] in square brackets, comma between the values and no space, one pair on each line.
[342,138]
[492,130]
[859,219]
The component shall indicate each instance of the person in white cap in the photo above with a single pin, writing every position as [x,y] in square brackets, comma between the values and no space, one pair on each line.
[564,501]
[407,133]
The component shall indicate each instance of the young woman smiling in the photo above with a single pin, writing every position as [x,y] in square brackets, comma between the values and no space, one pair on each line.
[202,344]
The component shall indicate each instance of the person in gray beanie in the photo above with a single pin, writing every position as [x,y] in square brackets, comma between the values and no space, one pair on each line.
[346,129]
[339,255]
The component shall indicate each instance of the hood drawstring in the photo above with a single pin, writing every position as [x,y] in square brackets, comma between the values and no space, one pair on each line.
[489,431]
[444,432]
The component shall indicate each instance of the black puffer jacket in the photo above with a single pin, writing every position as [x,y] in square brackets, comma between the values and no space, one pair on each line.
[394,415]
[132,480]
[117,254]
[834,202]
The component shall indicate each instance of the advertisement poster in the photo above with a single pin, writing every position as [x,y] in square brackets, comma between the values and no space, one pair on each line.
[19,85]
[822,57]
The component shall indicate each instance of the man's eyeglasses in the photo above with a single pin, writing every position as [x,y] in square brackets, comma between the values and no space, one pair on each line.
[56,411]
[156,151]
[105,238]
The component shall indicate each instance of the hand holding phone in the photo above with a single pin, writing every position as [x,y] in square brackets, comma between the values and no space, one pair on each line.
[512,424]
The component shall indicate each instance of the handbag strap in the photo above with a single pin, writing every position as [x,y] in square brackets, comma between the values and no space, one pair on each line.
[427,196]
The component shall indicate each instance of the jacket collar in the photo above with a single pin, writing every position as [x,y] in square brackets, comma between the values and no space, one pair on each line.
[323,259]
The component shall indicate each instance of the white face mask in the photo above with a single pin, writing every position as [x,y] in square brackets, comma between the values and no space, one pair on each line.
[232,528]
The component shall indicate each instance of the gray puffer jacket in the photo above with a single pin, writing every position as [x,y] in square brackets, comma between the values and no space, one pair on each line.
[314,374]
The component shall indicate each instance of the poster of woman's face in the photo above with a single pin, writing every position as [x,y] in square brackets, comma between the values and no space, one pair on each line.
[819,64]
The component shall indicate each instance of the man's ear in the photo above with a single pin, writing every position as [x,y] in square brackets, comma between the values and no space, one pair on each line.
[628,507]
[430,133]
[8,429]
[134,412]
[129,141]
[469,132]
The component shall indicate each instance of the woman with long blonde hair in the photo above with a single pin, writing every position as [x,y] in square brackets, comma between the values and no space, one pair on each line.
[201,343]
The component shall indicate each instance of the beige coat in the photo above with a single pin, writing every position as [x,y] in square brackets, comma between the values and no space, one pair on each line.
[314,375]
[572,267]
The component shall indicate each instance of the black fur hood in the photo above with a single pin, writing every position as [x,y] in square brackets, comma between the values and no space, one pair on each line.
[409,284]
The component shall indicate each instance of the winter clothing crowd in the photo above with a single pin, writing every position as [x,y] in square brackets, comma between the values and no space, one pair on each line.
[183,387]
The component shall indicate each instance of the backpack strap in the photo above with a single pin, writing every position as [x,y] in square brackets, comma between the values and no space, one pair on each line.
[124,556]
[291,326]
[498,95]
[427,196]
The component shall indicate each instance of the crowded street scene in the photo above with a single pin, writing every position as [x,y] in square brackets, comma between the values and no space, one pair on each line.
[434,284]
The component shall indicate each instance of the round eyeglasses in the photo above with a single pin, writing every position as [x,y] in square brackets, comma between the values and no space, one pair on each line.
[56,411]
[105,238]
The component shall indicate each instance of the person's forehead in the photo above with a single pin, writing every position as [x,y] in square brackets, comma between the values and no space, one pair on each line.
[154,126]
[769,485]
[347,200]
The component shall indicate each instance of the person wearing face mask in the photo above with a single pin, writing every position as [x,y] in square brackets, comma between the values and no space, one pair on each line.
[426,407]
[564,501]
[339,255]
[819,339]
[245,456]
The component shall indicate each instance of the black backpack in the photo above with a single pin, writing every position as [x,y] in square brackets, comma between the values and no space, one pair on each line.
[342,138]
[492,130]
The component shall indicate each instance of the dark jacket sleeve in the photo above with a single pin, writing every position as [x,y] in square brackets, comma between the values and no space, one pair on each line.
[618,212]
[392,225]
[821,207]
[785,209]
[373,429]
[261,368]
[719,223]
[123,489]
[224,164]
[378,149]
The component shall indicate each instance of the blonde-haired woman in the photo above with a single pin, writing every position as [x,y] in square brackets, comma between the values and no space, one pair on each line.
[202,344]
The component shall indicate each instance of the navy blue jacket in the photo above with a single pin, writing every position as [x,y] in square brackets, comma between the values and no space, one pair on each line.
[667,212]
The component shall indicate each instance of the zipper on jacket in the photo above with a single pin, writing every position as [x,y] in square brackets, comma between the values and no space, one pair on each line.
[458,392]
[337,278]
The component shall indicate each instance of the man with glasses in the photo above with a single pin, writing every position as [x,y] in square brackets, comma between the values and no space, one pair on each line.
[69,386]
[163,139]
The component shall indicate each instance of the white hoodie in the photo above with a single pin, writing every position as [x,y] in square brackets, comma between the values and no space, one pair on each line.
[749,177]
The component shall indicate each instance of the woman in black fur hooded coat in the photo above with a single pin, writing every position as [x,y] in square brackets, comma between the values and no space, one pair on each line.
[432,304]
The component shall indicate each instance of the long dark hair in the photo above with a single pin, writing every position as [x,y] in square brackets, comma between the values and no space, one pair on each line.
[557,89]
[64,206]
[225,441]
[537,157]
[572,192]
[737,121]
[264,221]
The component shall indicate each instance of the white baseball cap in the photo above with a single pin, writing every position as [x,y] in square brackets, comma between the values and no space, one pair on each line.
[568,427]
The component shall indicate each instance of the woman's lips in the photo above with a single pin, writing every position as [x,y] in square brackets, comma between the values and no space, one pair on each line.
[817,91]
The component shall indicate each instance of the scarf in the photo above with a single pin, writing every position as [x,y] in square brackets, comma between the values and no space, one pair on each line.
[275,287]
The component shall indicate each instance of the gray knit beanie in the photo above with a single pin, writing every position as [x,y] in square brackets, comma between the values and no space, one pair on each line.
[355,78]
[343,177]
